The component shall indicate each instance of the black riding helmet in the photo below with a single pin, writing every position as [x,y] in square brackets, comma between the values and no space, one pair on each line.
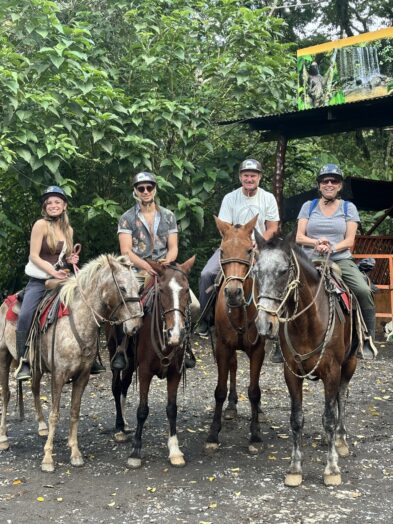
[53,191]
[330,170]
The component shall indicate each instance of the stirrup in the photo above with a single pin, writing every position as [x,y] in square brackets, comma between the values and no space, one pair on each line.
[369,351]
[23,371]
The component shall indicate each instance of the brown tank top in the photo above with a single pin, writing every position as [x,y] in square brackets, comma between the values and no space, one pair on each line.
[46,253]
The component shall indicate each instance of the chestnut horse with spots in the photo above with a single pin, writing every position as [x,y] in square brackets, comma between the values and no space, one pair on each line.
[160,352]
[299,303]
[235,316]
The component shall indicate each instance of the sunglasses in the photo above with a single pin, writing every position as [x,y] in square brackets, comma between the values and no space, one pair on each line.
[332,181]
[143,189]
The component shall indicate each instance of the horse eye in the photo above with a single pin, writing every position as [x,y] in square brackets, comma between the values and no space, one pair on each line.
[123,289]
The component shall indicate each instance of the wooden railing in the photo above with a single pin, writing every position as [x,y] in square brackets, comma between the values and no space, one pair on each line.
[380,248]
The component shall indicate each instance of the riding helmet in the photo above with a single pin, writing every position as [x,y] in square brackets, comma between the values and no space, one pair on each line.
[331,170]
[53,191]
[144,176]
[250,165]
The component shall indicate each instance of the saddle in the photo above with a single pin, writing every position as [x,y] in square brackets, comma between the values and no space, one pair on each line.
[335,283]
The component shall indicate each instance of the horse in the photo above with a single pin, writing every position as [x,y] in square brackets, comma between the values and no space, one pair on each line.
[299,303]
[103,291]
[160,351]
[235,315]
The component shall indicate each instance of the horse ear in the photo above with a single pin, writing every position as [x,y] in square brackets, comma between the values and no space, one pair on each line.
[159,268]
[259,239]
[187,265]
[249,227]
[222,226]
[124,260]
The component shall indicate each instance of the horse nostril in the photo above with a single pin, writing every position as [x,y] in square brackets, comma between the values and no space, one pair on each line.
[239,291]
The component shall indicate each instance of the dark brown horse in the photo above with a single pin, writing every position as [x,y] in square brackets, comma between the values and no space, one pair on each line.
[300,304]
[160,352]
[235,316]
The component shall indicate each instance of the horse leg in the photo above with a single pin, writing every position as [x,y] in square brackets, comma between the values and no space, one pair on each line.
[47,463]
[176,457]
[294,476]
[331,476]
[36,390]
[220,394]
[254,395]
[5,363]
[230,412]
[134,460]
[341,431]
[78,387]
[121,381]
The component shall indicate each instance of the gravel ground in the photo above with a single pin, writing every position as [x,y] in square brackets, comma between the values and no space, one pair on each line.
[230,486]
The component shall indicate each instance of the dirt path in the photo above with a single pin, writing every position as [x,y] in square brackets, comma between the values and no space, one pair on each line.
[231,486]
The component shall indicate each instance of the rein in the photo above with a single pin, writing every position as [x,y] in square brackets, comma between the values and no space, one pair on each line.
[158,327]
[245,304]
[98,319]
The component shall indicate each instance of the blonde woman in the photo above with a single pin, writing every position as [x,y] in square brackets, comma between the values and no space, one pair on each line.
[51,245]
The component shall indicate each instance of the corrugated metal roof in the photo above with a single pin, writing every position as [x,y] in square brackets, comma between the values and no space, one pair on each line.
[361,114]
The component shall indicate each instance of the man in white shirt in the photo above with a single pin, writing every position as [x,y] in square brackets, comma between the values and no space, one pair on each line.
[239,207]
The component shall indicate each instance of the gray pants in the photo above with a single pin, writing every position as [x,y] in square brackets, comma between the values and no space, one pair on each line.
[208,276]
[34,292]
[355,281]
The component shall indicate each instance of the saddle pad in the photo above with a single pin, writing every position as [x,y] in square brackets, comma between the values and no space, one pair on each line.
[10,302]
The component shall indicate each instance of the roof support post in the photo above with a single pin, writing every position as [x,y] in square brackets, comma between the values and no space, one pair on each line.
[278,180]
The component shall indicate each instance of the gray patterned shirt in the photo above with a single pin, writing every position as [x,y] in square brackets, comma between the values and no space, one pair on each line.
[134,223]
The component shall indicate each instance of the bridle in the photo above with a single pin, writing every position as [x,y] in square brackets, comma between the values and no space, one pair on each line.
[99,319]
[158,332]
[245,303]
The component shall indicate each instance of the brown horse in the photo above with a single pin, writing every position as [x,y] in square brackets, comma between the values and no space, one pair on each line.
[300,304]
[235,316]
[160,352]
[104,290]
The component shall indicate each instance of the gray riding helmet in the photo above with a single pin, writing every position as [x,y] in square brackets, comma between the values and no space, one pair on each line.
[331,170]
[144,176]
[250,165]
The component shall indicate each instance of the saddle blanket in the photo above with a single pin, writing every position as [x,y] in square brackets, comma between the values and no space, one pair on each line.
[12,300]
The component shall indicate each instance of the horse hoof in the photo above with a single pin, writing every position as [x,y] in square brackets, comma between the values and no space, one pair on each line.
[211,447]
[77,462]
[134,463]
[255,448]
[332,479]
[230,414]
[47,467]
[342,450]
[4,445]
[120,437]
[262,418]
[293,480]
[177,462]
[43,432]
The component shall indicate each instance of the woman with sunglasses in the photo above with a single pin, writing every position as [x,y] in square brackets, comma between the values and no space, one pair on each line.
[329,225]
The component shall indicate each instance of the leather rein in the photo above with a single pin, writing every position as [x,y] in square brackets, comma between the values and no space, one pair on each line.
[245,303]
[158,327]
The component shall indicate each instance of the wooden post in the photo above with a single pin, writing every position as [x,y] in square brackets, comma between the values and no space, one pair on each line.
[278,180]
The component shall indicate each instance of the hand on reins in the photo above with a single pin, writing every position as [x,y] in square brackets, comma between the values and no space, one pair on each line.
[73,258]
[323,246]
[147,267]
[61,274]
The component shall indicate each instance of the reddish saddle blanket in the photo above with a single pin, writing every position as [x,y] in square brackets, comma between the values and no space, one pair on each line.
[12,301]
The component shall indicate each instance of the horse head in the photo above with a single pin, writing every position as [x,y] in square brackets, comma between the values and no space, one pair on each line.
[236,258]
[174,299]
[120,293]
[273,273]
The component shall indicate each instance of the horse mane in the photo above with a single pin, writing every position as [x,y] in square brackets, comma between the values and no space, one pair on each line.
[287,244]
[84,277]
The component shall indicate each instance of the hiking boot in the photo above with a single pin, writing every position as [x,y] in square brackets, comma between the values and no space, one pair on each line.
[369,350]
[97,368]
[119,361]
[275,354]
[23,372]
[203,328]
[189,359]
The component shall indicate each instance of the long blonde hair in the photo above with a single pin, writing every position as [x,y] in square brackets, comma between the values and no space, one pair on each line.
[65,227]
